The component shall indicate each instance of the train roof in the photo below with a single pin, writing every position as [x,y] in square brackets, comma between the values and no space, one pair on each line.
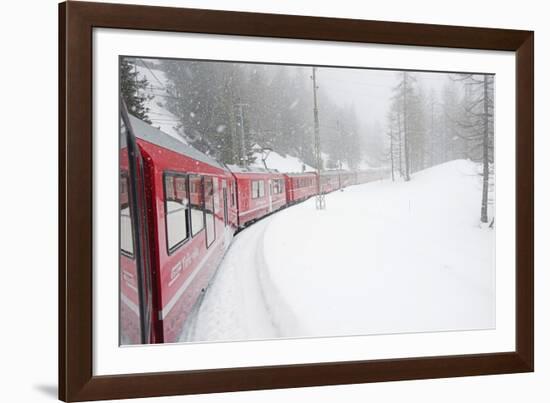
[146,132]
[306,173]
[335,171]
[251,170]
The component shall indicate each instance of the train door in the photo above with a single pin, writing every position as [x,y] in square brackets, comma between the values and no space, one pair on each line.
[224,195]
[270,194]
[135,326]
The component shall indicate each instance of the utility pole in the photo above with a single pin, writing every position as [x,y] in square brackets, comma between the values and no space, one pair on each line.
[243,158]
[320,198]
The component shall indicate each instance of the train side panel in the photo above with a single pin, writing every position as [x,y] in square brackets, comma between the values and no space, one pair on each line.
[190,238]
[259,194]
[330,181]
[300,186]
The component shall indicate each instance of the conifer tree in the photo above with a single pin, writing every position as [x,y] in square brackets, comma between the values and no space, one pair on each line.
[132,89]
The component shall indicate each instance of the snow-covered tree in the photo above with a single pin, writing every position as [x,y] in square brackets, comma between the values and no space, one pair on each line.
[132,89]
[226,109]
[406,111]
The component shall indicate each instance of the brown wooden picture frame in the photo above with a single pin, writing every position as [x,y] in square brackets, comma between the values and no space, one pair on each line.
[76,23]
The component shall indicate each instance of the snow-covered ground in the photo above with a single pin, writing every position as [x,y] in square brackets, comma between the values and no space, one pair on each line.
[382,258]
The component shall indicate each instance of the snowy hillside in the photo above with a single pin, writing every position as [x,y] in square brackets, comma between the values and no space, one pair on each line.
[287,164]
[382,258]
[166,121]
[158,114]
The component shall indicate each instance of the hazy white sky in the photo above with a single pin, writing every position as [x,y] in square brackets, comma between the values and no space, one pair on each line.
[370,90]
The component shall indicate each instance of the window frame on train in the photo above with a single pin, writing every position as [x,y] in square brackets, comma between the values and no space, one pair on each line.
[277,186]
[201,206]
[254,184]
[172,248]
[124,177]
[261,189]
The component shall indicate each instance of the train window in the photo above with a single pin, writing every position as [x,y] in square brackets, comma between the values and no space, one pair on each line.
[261,188]
[197,203]
[209,210]
[177,210]
[277,186]
[232,194]
[216,192]
[126,230]
[254,189]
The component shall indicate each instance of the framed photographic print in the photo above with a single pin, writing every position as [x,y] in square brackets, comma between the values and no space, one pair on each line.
[252,201]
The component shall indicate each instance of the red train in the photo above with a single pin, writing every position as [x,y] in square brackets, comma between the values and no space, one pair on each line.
[300,187]
[260,192]
[179,210]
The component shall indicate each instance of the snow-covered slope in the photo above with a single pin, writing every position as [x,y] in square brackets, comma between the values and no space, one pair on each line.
[282,163]
[384,257]
[388,257]
[158,114]
[166,121]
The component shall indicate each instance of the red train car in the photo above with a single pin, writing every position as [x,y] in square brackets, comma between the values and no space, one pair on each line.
[300,186]
[369,175]
[347,178]
[259,192]
[179,209]
[188,213]
[330,181]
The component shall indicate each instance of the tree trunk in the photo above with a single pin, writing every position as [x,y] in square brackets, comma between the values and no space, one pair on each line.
[485,191]
[400,150]
[405,133]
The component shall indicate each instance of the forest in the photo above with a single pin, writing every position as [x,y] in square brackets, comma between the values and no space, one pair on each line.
[230,110]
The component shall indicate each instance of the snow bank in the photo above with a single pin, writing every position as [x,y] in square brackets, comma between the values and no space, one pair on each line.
[388,257]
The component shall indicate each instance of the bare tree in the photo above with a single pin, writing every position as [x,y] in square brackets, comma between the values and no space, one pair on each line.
[478,118]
